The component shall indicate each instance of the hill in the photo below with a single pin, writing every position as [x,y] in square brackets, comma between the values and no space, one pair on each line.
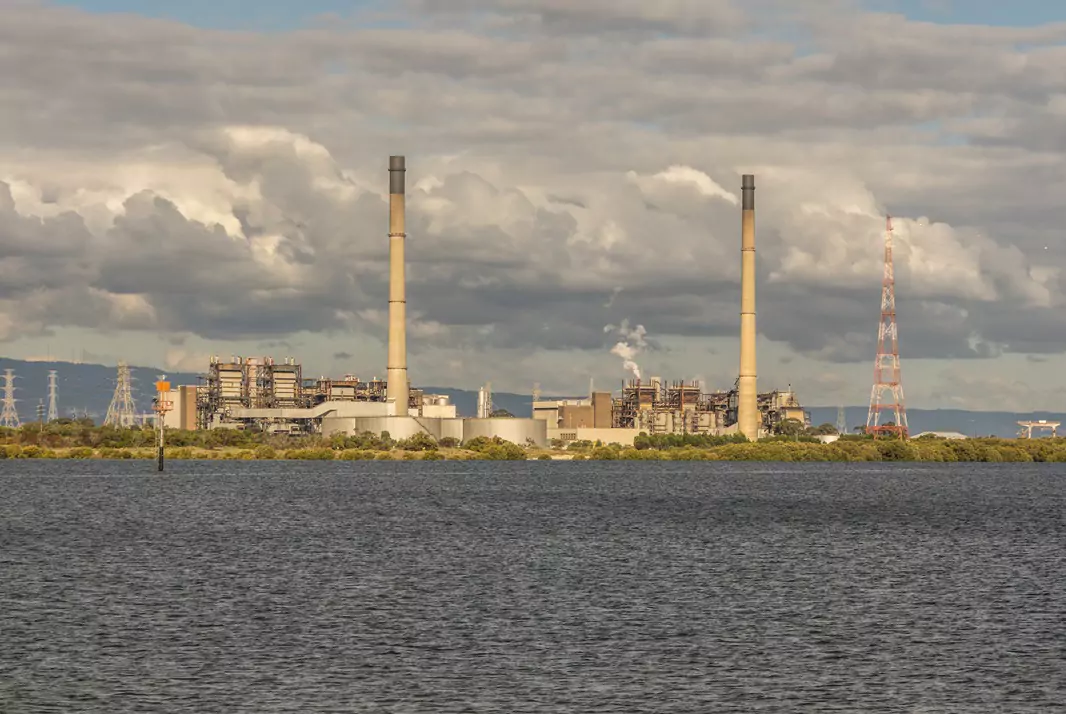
[84,389]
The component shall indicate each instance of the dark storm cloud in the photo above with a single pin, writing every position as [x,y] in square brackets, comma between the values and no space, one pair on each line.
[528,116]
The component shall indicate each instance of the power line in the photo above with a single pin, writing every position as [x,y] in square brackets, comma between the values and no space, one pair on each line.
[887,375]
[122,411]
[53,409]
[10,416]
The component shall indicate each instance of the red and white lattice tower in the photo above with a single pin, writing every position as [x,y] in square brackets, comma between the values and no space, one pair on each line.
[887,376]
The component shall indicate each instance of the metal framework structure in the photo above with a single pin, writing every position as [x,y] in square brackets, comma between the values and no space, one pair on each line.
[122,412]
[1026,431]
[53,409]
[10,416]
[842,420]
[262,383]
[887,375]
[161,405]
[683,408]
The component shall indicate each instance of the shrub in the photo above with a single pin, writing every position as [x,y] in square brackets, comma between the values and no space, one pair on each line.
[80,452]
[109,452]
[603,453]
[264,452]
[418,442]
[895,450]
[355,455]
[478,443]
[504,451]
[319,454]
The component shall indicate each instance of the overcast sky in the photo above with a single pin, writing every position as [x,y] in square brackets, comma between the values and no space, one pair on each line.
[184,179]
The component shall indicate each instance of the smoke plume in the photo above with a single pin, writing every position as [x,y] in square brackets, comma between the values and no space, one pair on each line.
[631,344]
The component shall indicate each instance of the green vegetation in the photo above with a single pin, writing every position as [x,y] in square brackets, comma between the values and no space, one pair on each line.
[80,439]
[69,439]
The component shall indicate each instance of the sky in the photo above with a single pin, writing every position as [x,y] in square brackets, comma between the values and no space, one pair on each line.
[181,180]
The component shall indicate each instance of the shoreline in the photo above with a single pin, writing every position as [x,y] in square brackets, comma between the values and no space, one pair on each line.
[984,450]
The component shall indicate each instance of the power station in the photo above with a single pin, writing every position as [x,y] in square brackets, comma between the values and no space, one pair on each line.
[261,394]
[264,394]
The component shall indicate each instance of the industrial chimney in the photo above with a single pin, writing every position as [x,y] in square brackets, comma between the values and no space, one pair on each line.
[397,387]
[747,400]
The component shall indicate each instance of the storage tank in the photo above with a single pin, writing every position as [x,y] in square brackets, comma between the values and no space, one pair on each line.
[399,427]
[517,431]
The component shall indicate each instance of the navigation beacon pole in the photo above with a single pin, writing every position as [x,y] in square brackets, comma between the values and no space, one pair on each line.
[161,407]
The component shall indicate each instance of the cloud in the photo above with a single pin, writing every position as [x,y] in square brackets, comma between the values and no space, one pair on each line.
[160,179]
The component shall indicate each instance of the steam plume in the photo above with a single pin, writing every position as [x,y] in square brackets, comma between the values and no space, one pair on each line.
[631,344]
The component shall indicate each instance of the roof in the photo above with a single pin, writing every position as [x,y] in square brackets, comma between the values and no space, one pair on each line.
[942,435]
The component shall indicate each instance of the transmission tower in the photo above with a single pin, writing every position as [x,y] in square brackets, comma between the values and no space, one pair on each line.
[842,420]
[53,410]
[887,376]
[10,416]
[122,411]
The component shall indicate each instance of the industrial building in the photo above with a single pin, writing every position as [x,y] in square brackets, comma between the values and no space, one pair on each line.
[678,407]
[259,393]
[183,412]
[658,407]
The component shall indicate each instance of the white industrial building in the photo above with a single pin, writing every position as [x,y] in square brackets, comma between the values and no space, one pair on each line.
[259,393]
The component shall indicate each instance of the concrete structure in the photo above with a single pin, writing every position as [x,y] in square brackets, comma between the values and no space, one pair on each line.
[517,431]
[747,407]
[182,414]
[398,384]
[623,437]
[397,427]
[436,406]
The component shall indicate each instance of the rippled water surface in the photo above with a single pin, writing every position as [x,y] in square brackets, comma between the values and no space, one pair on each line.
[531,587]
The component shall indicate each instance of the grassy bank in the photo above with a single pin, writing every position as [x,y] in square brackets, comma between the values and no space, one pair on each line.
[231,454]
[974,450]
[66,439]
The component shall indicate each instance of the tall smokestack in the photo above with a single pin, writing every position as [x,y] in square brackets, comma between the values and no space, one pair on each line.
[747,399]
[397,387]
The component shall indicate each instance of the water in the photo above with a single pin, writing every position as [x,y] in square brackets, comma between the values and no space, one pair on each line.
[531,587]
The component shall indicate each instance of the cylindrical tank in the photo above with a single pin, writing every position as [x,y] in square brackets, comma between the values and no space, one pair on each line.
[517,431]
[399,427]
